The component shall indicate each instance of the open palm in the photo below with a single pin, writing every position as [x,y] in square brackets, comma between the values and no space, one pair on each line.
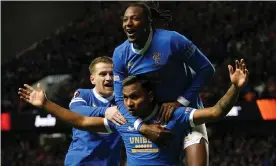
[35,97]
[239,76]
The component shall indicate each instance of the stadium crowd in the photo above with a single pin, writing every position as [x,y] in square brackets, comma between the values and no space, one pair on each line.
[235,149]
[224,31]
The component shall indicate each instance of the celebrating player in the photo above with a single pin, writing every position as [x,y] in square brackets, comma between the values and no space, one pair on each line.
[140,101]
[176,66]
[89,148]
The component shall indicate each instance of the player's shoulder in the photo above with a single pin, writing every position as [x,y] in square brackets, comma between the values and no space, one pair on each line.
[82,92]
[169,35]
[182,110]
[166,33]
[179,111]
[120,48]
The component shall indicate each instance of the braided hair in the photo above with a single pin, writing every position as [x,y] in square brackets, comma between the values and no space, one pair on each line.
[153,14]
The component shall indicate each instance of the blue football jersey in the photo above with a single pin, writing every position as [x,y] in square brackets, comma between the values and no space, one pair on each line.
[87,148]
[141,151]
[171,61]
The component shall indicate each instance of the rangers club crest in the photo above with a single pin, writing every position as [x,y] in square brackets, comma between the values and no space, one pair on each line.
[156,58]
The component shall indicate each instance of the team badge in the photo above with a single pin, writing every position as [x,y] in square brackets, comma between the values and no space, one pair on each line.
[76,94]
[156,58]
[188,109]
[116,78]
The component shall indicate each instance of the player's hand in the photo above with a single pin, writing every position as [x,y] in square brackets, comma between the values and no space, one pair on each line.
[239,77]
[30,95]
[156,133]
[112,114]
[166,111]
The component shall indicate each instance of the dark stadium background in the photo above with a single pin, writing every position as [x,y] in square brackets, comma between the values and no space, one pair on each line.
[54,42]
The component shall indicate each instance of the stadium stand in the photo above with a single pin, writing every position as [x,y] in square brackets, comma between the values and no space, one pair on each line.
[224,31]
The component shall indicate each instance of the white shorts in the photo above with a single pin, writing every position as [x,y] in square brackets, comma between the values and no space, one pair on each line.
[195,136]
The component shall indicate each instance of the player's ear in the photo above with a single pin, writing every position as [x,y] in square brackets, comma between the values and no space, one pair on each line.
[92,79]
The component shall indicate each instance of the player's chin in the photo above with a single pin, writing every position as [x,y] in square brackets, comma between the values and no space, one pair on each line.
[109,90]
[131,40]
[132,112]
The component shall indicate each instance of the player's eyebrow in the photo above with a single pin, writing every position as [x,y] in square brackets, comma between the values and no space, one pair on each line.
[131,16]
[102,72]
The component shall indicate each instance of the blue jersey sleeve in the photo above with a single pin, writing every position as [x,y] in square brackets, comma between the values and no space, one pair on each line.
[90,111]
[79,104]
[194,58]
[182,120]
[120,73]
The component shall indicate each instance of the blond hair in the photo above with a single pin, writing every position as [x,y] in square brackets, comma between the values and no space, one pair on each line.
[101,59]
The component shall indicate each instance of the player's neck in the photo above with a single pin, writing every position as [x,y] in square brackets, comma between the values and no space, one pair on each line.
[141,43]
[100,95]
[148,112]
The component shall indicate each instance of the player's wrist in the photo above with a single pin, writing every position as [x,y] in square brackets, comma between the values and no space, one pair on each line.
[105,112]
[235,88]
[45,103]
[143,129]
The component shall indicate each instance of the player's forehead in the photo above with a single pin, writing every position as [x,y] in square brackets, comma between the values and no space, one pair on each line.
[103,67]
[131,89]
[133,11]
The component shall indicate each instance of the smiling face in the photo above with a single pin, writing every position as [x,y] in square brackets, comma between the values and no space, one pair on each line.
[135,24]
[102,78]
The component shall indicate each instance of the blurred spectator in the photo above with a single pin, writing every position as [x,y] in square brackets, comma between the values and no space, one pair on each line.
[237,148]
[224,31]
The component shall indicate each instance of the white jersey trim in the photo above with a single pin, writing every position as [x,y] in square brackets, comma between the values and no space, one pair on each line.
[77,100]
[183,101]
[108,129]
[191,118]
[139,121]
[102,99]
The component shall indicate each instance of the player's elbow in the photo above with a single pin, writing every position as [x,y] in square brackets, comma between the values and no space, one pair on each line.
[215,114]
[84,123]
[79,123]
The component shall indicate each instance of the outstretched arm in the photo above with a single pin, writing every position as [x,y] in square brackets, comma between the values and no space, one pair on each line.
[38,99]
[79,104]
[239,78]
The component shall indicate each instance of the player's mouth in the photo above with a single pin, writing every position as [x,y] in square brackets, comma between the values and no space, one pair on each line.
[131,33]
[131,111]
[109,85]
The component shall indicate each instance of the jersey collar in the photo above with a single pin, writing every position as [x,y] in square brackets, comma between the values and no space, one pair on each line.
[102,99]
[143,50]
[156,107]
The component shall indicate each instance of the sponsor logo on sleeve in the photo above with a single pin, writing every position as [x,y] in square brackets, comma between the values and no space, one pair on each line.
[116,78]
[76,94]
